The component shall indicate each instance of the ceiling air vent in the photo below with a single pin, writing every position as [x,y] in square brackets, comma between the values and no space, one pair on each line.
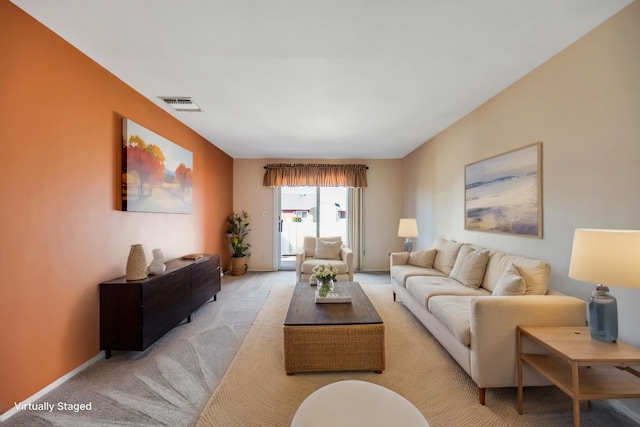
[181,103]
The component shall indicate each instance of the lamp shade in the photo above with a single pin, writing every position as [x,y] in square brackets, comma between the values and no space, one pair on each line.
[606,257]
[408,227]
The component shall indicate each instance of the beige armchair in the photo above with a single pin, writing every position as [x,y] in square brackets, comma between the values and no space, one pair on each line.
[324,250]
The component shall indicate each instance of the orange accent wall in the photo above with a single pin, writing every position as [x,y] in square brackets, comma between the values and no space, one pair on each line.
[61,233]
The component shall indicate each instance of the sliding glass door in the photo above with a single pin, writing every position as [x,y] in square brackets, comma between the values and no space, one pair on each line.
[309,211]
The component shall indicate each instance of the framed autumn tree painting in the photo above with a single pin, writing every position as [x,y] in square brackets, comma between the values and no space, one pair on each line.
[157,175]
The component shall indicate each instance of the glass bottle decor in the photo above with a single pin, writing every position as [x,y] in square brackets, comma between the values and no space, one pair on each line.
[326,287]
[157,265]
[603,315]
[136,263]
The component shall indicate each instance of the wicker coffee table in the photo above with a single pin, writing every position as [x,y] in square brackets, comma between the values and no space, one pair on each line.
[333,337]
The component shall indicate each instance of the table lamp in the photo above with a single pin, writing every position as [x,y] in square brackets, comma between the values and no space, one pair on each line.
[408,228]
[607,258]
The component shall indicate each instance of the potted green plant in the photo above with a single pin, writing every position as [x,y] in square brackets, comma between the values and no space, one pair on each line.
[237,233]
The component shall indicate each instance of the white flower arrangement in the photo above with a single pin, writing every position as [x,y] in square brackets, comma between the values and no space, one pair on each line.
[325,272]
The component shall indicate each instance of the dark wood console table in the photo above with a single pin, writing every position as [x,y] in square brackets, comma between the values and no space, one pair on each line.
[136,313]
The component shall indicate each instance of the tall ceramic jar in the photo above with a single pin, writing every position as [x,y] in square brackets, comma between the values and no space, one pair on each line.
[136,263]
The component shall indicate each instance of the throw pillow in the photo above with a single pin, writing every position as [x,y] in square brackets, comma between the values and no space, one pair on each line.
[470,266]
[534,272]
[447,251]
[327,250]
[510,283]
[422,258]
[309,246]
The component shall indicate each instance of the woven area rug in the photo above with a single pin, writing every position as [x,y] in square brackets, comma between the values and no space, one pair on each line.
[256,391]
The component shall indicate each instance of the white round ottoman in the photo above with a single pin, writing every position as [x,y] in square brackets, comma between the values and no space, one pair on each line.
[356,403]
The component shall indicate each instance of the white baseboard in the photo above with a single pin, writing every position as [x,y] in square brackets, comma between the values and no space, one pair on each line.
[11,412]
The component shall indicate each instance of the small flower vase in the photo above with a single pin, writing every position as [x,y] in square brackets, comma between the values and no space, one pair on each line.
[136,263]
[157,264]
[326,287]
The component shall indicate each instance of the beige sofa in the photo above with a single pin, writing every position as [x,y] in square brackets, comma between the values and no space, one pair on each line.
[324,250]
[471,300]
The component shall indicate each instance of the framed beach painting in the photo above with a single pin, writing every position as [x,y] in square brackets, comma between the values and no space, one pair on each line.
[504,193]
[157,175]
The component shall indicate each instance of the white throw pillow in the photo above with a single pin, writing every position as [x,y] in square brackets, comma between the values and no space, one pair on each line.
[470,266]
[534,272]
[327,250]
[511,283]
[309,246]
[422,258]
[447,251]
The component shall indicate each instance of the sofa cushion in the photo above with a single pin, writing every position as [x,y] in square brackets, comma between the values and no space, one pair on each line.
[534,272]
[454,313]
[309,244]
[422,258]
[511,283]
[422,288]
[469,266]
[309,263]
[401,272]
[327,250]
[447,251]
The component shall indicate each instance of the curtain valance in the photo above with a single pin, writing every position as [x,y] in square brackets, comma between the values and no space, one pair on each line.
[315,175]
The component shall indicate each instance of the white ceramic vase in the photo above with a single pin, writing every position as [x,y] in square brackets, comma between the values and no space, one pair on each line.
[157,265]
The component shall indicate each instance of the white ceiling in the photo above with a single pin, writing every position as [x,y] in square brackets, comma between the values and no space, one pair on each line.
[321,78]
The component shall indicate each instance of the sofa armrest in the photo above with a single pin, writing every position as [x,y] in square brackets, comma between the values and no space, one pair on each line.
[346,254]
[299,260]
[399,258]
[493,323]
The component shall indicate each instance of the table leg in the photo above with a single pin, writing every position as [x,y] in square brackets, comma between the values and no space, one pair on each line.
[576,394]
[520,391]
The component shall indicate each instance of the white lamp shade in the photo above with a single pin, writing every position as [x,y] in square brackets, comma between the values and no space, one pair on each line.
[606,257]
[408,227]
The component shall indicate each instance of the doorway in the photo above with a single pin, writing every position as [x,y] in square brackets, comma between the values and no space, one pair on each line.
[308,211]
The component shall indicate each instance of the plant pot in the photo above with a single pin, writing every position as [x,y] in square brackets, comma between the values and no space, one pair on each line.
[238,267]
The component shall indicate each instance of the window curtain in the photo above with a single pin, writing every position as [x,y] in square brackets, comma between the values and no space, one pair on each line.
[315,175]
[355,225]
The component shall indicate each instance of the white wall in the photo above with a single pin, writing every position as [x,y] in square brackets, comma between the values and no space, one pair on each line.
[584,105]
[382,207]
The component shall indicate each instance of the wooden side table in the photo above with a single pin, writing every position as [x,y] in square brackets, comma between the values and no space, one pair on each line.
[580,366]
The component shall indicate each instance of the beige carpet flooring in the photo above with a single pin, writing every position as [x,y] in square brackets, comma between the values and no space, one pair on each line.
[256,391]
